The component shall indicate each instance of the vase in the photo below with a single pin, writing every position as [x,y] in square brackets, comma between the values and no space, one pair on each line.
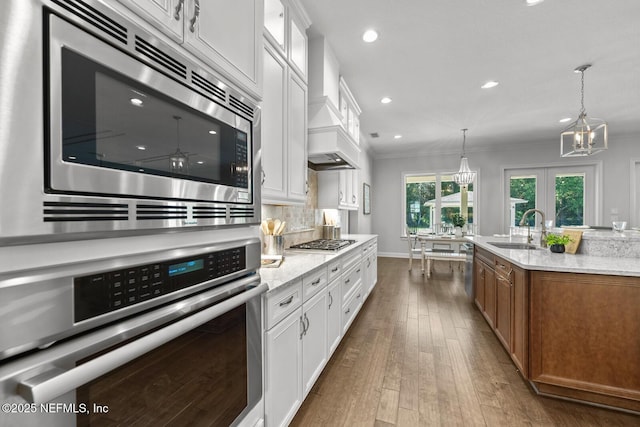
[557,248]
[458,232]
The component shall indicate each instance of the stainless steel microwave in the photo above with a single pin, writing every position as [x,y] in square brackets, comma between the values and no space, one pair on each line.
[106,128]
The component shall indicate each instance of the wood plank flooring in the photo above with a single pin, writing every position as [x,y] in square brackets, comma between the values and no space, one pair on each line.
[420,354]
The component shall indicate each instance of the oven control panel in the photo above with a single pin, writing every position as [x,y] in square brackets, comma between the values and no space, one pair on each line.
[109,291]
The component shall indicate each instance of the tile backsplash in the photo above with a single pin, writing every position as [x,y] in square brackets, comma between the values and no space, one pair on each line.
[304,222]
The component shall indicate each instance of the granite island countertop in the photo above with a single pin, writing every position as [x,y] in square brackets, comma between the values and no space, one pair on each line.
[544,259]
[299,262]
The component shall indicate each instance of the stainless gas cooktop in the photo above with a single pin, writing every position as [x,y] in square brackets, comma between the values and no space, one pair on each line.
[324,245]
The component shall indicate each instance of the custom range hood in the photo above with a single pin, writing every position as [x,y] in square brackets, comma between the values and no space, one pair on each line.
[330,146]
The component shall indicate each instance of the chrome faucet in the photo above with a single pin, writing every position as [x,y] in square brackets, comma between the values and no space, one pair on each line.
[543,233]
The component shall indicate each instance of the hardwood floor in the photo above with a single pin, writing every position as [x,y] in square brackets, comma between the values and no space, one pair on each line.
[420,354]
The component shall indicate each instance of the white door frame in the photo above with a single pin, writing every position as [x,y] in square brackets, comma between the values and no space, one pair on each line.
[634,214]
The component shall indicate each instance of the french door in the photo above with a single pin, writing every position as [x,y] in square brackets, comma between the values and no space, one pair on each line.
[568,195]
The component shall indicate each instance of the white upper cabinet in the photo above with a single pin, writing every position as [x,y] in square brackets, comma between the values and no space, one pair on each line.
[274,21]
[286,23]
[350,112]
[227,35]
[284,104]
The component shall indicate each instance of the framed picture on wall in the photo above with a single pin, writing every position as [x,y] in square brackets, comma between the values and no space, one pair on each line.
[366,199]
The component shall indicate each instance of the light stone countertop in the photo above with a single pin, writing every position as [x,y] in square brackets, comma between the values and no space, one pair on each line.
[297,263]
[544,259]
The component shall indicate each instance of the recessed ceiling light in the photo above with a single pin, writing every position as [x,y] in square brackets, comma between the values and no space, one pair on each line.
[565,120]
[385,100]
[141,147]
[397,136]
[490,84]
[533,2]
[200,162]
[136,101]
[212,132]
[370,36]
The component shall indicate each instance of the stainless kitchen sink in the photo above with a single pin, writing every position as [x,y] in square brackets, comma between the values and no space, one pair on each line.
[513,245]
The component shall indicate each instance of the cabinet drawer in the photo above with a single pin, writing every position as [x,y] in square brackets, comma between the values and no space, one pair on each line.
[350,280]
[351,259]
[503,269]
[334,269]
[350,308]
[484,255]
[313,282]
[283,301]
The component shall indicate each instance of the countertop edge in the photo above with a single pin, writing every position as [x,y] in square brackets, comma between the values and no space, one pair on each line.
[542,259]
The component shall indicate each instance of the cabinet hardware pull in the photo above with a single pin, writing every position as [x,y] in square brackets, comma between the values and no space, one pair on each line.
[315,282]
[308,324]
[358,271]
[287,302]
[348,311]
[196,14]
[304,330]
[176,15]
[334,270]
[353,198]
[368,263]
[340,196]
[346,282]
[330,301]
[264,177]
[358,296]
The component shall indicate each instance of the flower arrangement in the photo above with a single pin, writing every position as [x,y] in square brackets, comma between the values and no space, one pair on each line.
[458,220]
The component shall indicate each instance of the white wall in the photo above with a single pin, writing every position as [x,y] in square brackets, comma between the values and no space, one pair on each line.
[386,197]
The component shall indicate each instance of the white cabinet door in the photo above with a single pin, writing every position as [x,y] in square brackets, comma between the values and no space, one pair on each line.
[225,34]
[228,32]
[273,125]
[166,15]
[314,342]
[334,322]
[283,370]
[297,139]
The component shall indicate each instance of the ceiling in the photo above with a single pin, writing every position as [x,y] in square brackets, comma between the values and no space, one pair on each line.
[431,58]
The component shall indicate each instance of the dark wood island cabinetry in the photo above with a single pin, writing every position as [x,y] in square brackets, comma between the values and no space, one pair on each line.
[572,335]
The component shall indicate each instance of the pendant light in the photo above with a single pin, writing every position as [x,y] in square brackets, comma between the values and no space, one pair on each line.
[464,176]
[178,161]
[583,137]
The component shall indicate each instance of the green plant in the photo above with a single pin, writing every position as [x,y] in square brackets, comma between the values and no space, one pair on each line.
[458,220]
[557,239]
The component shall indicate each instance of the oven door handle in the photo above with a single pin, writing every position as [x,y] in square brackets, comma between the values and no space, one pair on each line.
[56,382]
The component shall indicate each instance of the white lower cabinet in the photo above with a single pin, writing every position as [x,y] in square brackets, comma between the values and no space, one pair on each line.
[314,339]
[334,319]
[305,321]
[283,370]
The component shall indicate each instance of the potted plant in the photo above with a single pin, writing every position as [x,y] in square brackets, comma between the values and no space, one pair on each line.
[458,222]
[556,242]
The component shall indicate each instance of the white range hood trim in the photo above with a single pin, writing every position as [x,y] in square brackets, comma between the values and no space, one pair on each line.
[328,140]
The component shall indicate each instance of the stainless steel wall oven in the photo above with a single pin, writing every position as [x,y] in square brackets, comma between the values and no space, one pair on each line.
[104,127]
[159,338]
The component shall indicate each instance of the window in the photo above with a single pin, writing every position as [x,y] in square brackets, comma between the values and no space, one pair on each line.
[566,194]
[431,199]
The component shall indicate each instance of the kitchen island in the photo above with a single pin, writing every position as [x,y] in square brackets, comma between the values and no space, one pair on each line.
[571,323]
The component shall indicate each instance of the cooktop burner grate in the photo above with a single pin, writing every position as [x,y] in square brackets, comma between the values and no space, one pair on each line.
[324,244]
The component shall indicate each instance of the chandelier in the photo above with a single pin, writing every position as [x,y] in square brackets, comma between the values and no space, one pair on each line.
[464,176]
[583,137]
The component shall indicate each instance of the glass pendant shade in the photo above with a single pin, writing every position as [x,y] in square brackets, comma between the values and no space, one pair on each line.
[585,136]
[464,176]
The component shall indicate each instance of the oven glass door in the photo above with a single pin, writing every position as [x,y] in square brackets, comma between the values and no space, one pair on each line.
[120,127]
[199,378]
